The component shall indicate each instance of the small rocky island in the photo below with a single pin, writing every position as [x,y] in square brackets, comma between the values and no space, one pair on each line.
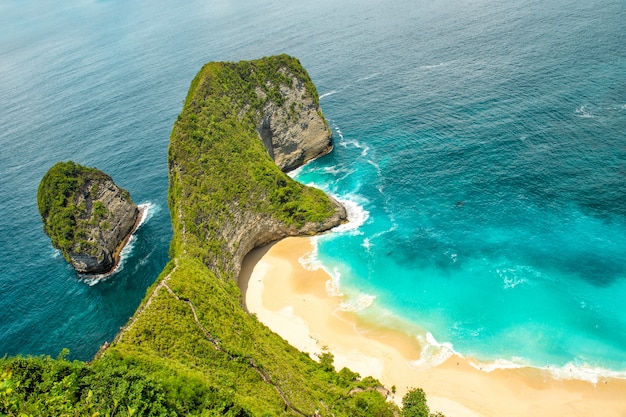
[86,215]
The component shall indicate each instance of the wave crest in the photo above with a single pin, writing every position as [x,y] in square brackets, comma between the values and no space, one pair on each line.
[433,353]
[357,215]
[360,303]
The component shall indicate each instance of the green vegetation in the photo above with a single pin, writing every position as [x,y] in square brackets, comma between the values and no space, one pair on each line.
[55,198]
[220,174]
[190,348]
[66,220]
[414,404]
[47,387]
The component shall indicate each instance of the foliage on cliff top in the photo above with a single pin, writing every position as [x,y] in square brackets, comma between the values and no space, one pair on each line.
[64,221]
[220,172]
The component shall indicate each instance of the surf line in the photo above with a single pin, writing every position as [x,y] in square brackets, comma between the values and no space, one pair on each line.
[120,253]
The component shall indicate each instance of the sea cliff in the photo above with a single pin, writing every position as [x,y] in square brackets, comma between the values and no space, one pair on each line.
[226,195]
[87,216]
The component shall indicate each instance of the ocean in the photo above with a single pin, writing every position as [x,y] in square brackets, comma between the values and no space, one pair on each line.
[480,147]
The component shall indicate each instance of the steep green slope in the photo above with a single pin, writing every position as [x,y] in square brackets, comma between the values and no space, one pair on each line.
[191,349]
[226,194]
[87,216]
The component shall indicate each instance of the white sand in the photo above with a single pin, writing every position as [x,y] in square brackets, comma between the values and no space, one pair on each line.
[292,301]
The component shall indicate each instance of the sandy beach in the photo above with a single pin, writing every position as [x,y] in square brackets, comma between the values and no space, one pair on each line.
[293,302]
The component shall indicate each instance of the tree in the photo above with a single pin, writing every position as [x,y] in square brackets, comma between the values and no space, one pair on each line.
[414,404]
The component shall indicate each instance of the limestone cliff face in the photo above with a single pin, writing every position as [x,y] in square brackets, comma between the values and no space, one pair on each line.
[87,216]
[253,230]
[294,131]
[106,232]
[226,195]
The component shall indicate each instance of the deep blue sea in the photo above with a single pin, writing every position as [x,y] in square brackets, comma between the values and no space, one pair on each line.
[480,147]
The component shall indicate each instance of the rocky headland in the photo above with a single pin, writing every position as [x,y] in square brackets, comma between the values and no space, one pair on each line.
[87,216]
[215,155]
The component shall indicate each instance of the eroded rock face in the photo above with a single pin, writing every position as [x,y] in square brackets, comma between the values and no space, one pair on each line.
[294,132]
[229,198]
[255,231]
[87,216]
[110,232]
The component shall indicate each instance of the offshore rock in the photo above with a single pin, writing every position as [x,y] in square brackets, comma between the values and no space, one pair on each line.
[87,216]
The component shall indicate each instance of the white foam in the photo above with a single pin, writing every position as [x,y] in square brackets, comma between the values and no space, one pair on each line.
[357,215]
[351,142]
[339,133]
[339,173]
[295,172]
[375,165]
[568,371]
[334,170]
[330,93]
[439,65]
[310,260]
[582,111]
[583,372]
[369,77]
[516,275]
[510,278]
[360,303]
[495,365]
[355,144]
[433,353]
[332,285]
[147,210]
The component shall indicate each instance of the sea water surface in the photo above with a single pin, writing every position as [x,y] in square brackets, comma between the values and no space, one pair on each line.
[480,148]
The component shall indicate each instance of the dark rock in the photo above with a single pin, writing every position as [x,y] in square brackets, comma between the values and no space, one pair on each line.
[87,216]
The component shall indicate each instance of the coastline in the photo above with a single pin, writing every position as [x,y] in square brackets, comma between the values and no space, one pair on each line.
[293,302]
[118,255]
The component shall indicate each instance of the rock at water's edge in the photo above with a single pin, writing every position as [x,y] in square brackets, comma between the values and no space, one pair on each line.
[295,131]
[87,216]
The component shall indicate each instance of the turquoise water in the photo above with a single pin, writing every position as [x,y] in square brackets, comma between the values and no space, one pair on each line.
[481,147]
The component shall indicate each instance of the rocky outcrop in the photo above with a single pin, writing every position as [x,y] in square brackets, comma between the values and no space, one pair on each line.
[294,131]
[256,230]
[87,216]
[226,196]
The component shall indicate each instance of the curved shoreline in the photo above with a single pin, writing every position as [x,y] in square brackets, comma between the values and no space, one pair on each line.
[293,302]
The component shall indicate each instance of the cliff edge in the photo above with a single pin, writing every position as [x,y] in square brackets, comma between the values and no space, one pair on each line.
[227,194]
[292,127]
[86,215]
